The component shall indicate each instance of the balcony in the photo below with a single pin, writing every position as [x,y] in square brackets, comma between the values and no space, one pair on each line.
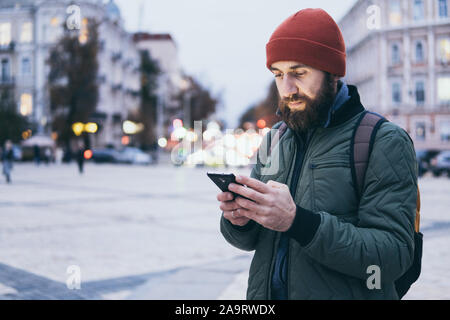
[8,47]
[7,81]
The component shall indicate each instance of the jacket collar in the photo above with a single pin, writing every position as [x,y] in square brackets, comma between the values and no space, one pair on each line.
[350,108]
[341,98]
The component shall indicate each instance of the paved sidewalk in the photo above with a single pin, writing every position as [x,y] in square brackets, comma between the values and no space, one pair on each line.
[150,233]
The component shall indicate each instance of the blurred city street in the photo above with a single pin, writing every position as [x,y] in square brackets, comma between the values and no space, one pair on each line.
[122,225]
[149,233]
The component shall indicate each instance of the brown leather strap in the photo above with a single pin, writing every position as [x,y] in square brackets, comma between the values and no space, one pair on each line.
[417,220]
[363,140]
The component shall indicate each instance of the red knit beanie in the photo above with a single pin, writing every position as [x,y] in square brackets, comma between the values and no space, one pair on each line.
[311,37]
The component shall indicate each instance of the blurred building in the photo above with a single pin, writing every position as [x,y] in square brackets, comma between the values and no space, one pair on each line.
[171,81]
[398,55]
[28,30]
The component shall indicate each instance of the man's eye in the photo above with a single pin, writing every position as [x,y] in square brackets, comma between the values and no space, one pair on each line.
[277,75]
[299,74]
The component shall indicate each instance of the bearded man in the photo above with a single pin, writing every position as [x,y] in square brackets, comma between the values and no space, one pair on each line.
[313,237]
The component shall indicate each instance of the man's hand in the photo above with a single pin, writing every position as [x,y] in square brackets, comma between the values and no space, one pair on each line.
[230,207]
[272,205]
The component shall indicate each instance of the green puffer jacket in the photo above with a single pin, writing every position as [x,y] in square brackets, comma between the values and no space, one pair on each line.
[351,236]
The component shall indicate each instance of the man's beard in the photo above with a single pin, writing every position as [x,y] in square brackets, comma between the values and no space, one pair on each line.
[316,110]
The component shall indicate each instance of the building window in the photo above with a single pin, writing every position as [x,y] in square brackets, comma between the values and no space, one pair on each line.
[420,131]
[444,130]
[6,72]
[418,10]
[444,50]
[395,13]
[395,54]
[396,92]
[26,104]
[443,11]
[420,93]
[443,91]
[26,66]
[5,34]
[419,54]
[26,34]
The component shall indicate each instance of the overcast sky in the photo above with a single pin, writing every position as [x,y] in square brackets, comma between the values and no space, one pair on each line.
[222,42]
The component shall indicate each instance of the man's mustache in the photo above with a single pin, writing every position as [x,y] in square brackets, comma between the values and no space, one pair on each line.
[286,101]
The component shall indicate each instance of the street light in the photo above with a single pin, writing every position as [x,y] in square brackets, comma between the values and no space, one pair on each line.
[130,127]
[78,128]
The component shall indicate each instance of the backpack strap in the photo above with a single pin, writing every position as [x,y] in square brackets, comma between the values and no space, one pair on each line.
[361,146]
[417,220]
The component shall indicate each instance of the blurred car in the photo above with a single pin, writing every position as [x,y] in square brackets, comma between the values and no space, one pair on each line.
[132,155]
[424,160]
[441,164]
[107,155]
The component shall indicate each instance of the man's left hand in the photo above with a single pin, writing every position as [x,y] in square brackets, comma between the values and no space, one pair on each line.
[272,205]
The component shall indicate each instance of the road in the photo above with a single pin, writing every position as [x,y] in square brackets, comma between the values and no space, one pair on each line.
[151,232]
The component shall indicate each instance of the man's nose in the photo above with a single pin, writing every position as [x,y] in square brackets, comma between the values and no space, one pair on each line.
[287,87]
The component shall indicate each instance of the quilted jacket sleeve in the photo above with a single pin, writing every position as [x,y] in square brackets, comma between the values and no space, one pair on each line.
[243,238]
[384,235]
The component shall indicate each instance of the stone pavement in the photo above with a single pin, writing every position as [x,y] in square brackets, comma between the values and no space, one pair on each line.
[124,226]
[150,233]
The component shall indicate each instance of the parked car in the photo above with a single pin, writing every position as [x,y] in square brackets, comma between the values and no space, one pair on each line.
[424,158]
[107,155]
[134,155]
[441,164]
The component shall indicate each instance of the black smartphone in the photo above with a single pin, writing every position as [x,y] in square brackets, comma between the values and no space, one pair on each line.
[222,180]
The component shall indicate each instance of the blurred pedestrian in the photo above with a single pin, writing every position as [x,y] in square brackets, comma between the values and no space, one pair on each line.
[48,156]
[37,154]
[7,160]
[80,158]
[59,153]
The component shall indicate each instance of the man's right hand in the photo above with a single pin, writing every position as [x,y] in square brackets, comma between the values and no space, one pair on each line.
[231,209]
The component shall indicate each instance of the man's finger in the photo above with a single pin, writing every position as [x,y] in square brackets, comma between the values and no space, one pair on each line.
[229,205]
[250,205]
[234,218]
[225,196]
[250,215]
[247,192]
[253,183]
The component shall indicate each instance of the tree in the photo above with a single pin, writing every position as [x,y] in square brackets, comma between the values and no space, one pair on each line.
[147,111]
[266,109]
[12,124]
[72,80]
[201,104]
